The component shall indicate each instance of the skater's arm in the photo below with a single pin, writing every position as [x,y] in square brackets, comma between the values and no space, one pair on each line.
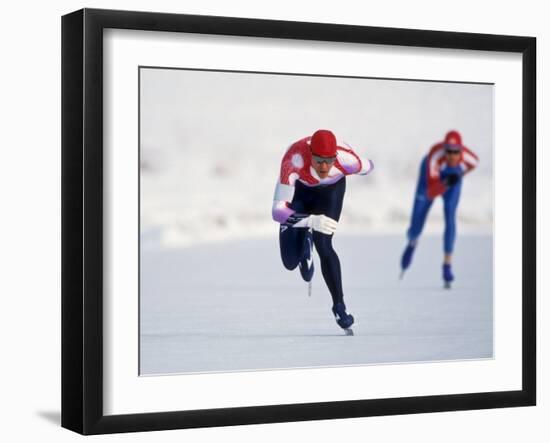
[469,161]
[281,211]
[435,181]
[436,185]
[440,180]
[284,189]
[284,214]
[352,163]
[451,176]
[366,166]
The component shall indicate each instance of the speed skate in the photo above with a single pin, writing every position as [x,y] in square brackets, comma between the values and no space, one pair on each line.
[347,331]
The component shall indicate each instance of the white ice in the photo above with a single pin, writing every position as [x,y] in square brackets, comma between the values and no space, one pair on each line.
[231,306]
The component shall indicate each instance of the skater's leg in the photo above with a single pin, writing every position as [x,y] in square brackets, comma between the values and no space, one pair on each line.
[329,202]
[306,265]
[331,206]
[330,266]
[420,211]
[421,205]
[450,203]
[421,208]
[291,243]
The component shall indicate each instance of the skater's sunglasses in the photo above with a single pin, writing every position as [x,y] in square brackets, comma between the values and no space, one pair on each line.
[327,160]
[452,149]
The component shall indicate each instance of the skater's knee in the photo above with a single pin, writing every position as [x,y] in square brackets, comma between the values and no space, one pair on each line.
[290,260]
[290,255]
[290,263]
[323,244]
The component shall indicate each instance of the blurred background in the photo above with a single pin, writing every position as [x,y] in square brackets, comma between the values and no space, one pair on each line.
[212,142]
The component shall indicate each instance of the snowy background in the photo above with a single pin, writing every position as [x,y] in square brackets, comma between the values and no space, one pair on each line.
[214,294]
[212,142]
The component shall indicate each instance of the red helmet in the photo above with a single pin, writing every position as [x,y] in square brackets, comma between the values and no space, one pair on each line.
[453,140]
[323,143]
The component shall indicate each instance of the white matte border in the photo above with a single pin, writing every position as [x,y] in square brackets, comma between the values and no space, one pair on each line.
[125,392]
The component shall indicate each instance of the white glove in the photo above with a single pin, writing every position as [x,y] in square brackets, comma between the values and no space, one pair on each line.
[321,223]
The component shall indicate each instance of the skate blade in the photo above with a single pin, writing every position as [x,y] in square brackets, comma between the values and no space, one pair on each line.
[447,285]
[309,288]
[401,274]
[348,332]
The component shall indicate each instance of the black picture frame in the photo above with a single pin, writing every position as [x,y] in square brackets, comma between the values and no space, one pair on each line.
[82,220]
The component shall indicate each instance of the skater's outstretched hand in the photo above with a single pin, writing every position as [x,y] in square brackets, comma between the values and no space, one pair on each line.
[320,223]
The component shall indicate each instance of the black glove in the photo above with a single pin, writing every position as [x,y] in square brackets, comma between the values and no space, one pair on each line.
[452,179]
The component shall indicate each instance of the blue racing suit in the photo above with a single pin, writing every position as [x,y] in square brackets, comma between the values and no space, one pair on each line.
[422,204]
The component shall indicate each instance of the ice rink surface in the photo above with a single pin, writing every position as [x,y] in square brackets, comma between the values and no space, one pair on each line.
[231,306]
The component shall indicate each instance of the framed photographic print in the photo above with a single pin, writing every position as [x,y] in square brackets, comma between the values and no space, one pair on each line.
[268,221]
